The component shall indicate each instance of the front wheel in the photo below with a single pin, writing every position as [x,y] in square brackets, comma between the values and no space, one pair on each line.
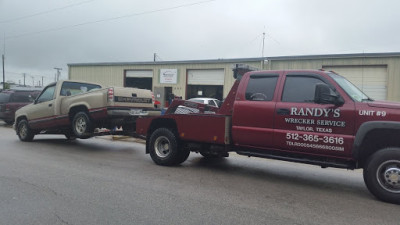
[164,148]
[382,175]
[9,122]
[82,126]
[24,132]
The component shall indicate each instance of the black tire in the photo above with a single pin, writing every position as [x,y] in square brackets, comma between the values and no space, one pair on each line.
[164,149]
[184,155]
[9,122]
[24,132]
[82,127]
[382,175]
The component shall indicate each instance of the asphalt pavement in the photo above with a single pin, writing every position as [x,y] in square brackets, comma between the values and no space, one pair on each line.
[103,181]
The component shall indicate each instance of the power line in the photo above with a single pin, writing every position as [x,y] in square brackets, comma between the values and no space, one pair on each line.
[109,19]
[45,12]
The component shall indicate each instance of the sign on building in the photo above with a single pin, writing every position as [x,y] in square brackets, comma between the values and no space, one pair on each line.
[168,76]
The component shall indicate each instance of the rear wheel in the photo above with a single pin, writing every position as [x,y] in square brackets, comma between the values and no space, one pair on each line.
[82,126]
[24,132]
[382,175]
[164,148]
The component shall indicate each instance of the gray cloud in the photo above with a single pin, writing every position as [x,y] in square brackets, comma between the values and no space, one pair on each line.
[208,30]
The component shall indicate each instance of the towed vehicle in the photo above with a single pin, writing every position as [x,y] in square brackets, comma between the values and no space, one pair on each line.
[78,109]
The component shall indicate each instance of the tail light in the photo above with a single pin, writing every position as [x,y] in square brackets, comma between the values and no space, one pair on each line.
[110,94]
[152,97]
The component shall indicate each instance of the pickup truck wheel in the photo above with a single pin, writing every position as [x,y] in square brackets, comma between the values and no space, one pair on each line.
[82,126]
[164,149]
[9,122]
[24,132]
[382,175]
[184,155]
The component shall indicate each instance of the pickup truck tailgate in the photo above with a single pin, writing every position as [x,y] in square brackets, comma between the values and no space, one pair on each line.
[132,97]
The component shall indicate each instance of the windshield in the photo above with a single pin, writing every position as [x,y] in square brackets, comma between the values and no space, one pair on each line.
[355,93]
[197,100]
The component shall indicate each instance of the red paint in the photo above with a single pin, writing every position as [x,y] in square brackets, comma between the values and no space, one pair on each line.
[330,131]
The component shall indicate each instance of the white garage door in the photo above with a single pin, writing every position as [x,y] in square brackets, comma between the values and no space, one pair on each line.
[372,80]
[139,73]
[206,77]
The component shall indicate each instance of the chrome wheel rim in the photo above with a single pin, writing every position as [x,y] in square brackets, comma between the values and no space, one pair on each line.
[388,176]
[23,130]
[162,147]
[80,125]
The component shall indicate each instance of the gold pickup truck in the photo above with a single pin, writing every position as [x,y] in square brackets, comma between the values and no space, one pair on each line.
[76,109]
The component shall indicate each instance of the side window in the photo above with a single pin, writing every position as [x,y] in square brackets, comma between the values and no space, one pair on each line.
[300,89]
[47,94]
[21,97]
[73,88]
[261,88]
[212,103]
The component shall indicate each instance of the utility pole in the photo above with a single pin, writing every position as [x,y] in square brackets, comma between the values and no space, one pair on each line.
[24,74]
[263,50]
[155,55]
[58,72]
[42,81]
[3,60]
[4,74]
[263,45]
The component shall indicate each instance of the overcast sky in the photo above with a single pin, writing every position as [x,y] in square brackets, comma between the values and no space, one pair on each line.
[43,34]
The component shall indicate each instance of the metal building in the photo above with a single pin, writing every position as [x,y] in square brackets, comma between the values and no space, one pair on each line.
[377,74]
[188,79]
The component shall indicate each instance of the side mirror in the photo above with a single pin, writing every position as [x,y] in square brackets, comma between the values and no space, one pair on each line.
[323,95]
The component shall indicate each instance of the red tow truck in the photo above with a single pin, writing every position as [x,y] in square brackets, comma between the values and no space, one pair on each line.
[308,116]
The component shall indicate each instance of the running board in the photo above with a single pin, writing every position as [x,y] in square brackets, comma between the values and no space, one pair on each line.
[316,162]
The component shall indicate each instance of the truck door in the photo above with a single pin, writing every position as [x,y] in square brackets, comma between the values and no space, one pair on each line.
[252,120]
[42,112]
[303,126]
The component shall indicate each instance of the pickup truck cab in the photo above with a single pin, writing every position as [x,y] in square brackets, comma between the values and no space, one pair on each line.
[307,116]
[76,108]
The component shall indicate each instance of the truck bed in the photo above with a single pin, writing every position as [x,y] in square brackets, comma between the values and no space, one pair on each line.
[194,122]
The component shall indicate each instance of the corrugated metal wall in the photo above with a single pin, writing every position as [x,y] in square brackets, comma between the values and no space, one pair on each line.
[113,75]
[392,64]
